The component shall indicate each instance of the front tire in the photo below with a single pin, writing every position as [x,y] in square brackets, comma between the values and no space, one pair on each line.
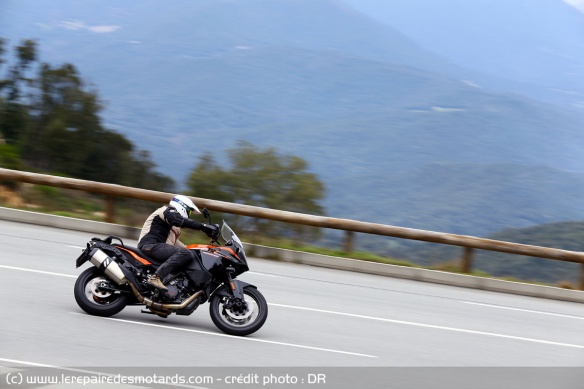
[236,317]
[96,301]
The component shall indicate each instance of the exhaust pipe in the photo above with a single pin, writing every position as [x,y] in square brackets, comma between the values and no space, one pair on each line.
[111,269]
[164,308]
[108,266]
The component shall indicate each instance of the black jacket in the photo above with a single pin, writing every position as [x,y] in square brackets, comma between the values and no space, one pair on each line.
[163,226]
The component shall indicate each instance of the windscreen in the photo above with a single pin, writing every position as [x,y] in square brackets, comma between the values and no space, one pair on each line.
[229,236]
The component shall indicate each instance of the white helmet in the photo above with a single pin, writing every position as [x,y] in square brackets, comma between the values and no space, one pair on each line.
[183,205]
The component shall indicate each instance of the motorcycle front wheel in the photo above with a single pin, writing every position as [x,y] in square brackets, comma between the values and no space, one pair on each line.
[236,317]
[93,297]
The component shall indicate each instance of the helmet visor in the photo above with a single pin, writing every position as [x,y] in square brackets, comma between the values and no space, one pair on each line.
[187,208]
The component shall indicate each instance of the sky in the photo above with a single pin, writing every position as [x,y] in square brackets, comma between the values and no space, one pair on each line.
[578,4]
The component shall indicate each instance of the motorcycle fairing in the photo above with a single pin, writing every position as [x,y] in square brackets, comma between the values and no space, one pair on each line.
[196,271]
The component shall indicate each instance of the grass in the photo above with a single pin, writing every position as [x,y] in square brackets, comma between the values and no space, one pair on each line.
[366,256]
[69,203]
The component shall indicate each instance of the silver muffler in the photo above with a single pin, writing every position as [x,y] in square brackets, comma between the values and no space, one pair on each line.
[108,266]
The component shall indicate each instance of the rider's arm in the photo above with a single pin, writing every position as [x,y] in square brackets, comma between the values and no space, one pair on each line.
[174,218]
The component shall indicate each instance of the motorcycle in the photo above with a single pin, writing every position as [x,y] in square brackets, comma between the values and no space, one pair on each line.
[119,274]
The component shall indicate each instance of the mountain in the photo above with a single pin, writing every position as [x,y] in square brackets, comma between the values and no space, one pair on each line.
[185,66]
[536,42]
[567,235]
[399,134]
[166,31]
[474,199]
[564,235]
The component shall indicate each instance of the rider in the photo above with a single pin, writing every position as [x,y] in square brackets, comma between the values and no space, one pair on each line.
[159,237]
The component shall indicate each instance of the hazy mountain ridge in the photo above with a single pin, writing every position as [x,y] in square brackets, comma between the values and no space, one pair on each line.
[475,199]
[537,42]
[402,116]
[373,113]
[563,235]
[567,235]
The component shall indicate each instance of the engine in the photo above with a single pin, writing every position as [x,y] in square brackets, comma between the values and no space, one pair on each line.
[178,290]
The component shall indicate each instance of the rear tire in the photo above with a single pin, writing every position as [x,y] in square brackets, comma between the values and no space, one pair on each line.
[95,301]
[239,320]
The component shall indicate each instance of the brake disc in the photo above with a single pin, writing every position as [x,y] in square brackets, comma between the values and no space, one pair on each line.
[96,287]
[236,315]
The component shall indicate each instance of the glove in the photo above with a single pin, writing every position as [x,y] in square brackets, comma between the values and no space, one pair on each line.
[211,230]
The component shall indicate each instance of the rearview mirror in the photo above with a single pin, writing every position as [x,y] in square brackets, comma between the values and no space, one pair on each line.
[207,215]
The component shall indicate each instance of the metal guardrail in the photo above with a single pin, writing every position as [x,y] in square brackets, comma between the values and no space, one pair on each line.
[469,243]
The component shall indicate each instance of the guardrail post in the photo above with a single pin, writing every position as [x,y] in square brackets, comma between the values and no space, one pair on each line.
[110,209]
[350,226]
[349,241]
[467,257]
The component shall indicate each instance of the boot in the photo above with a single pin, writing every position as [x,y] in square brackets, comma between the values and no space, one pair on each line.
[156,282]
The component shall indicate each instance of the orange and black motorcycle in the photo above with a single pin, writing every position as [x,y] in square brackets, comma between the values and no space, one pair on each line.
[119,274]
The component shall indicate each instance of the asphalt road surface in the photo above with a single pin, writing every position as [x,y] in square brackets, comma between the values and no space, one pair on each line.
[348,327]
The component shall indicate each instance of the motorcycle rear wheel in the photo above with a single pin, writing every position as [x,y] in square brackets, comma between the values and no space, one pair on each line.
[239,319]
[94,300]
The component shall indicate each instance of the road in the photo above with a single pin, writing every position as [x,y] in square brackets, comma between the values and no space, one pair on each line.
[318,318]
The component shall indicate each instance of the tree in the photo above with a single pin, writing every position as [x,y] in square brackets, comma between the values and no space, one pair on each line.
[9,157]
[13,110]
[261,178]
[51,123]
[140,173]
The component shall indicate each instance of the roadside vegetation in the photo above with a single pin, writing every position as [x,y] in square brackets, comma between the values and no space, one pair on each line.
[50,123]
[71,203]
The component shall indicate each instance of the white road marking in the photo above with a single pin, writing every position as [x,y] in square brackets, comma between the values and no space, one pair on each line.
[263,274]
[83,371]
[28,363]
[525,310]
[38,271]
[230,336]
[349,315]
[69,275]
[434,326]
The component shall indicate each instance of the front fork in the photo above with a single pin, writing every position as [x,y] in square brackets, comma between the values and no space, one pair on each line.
[235,299]
[236,287]
[233,288]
